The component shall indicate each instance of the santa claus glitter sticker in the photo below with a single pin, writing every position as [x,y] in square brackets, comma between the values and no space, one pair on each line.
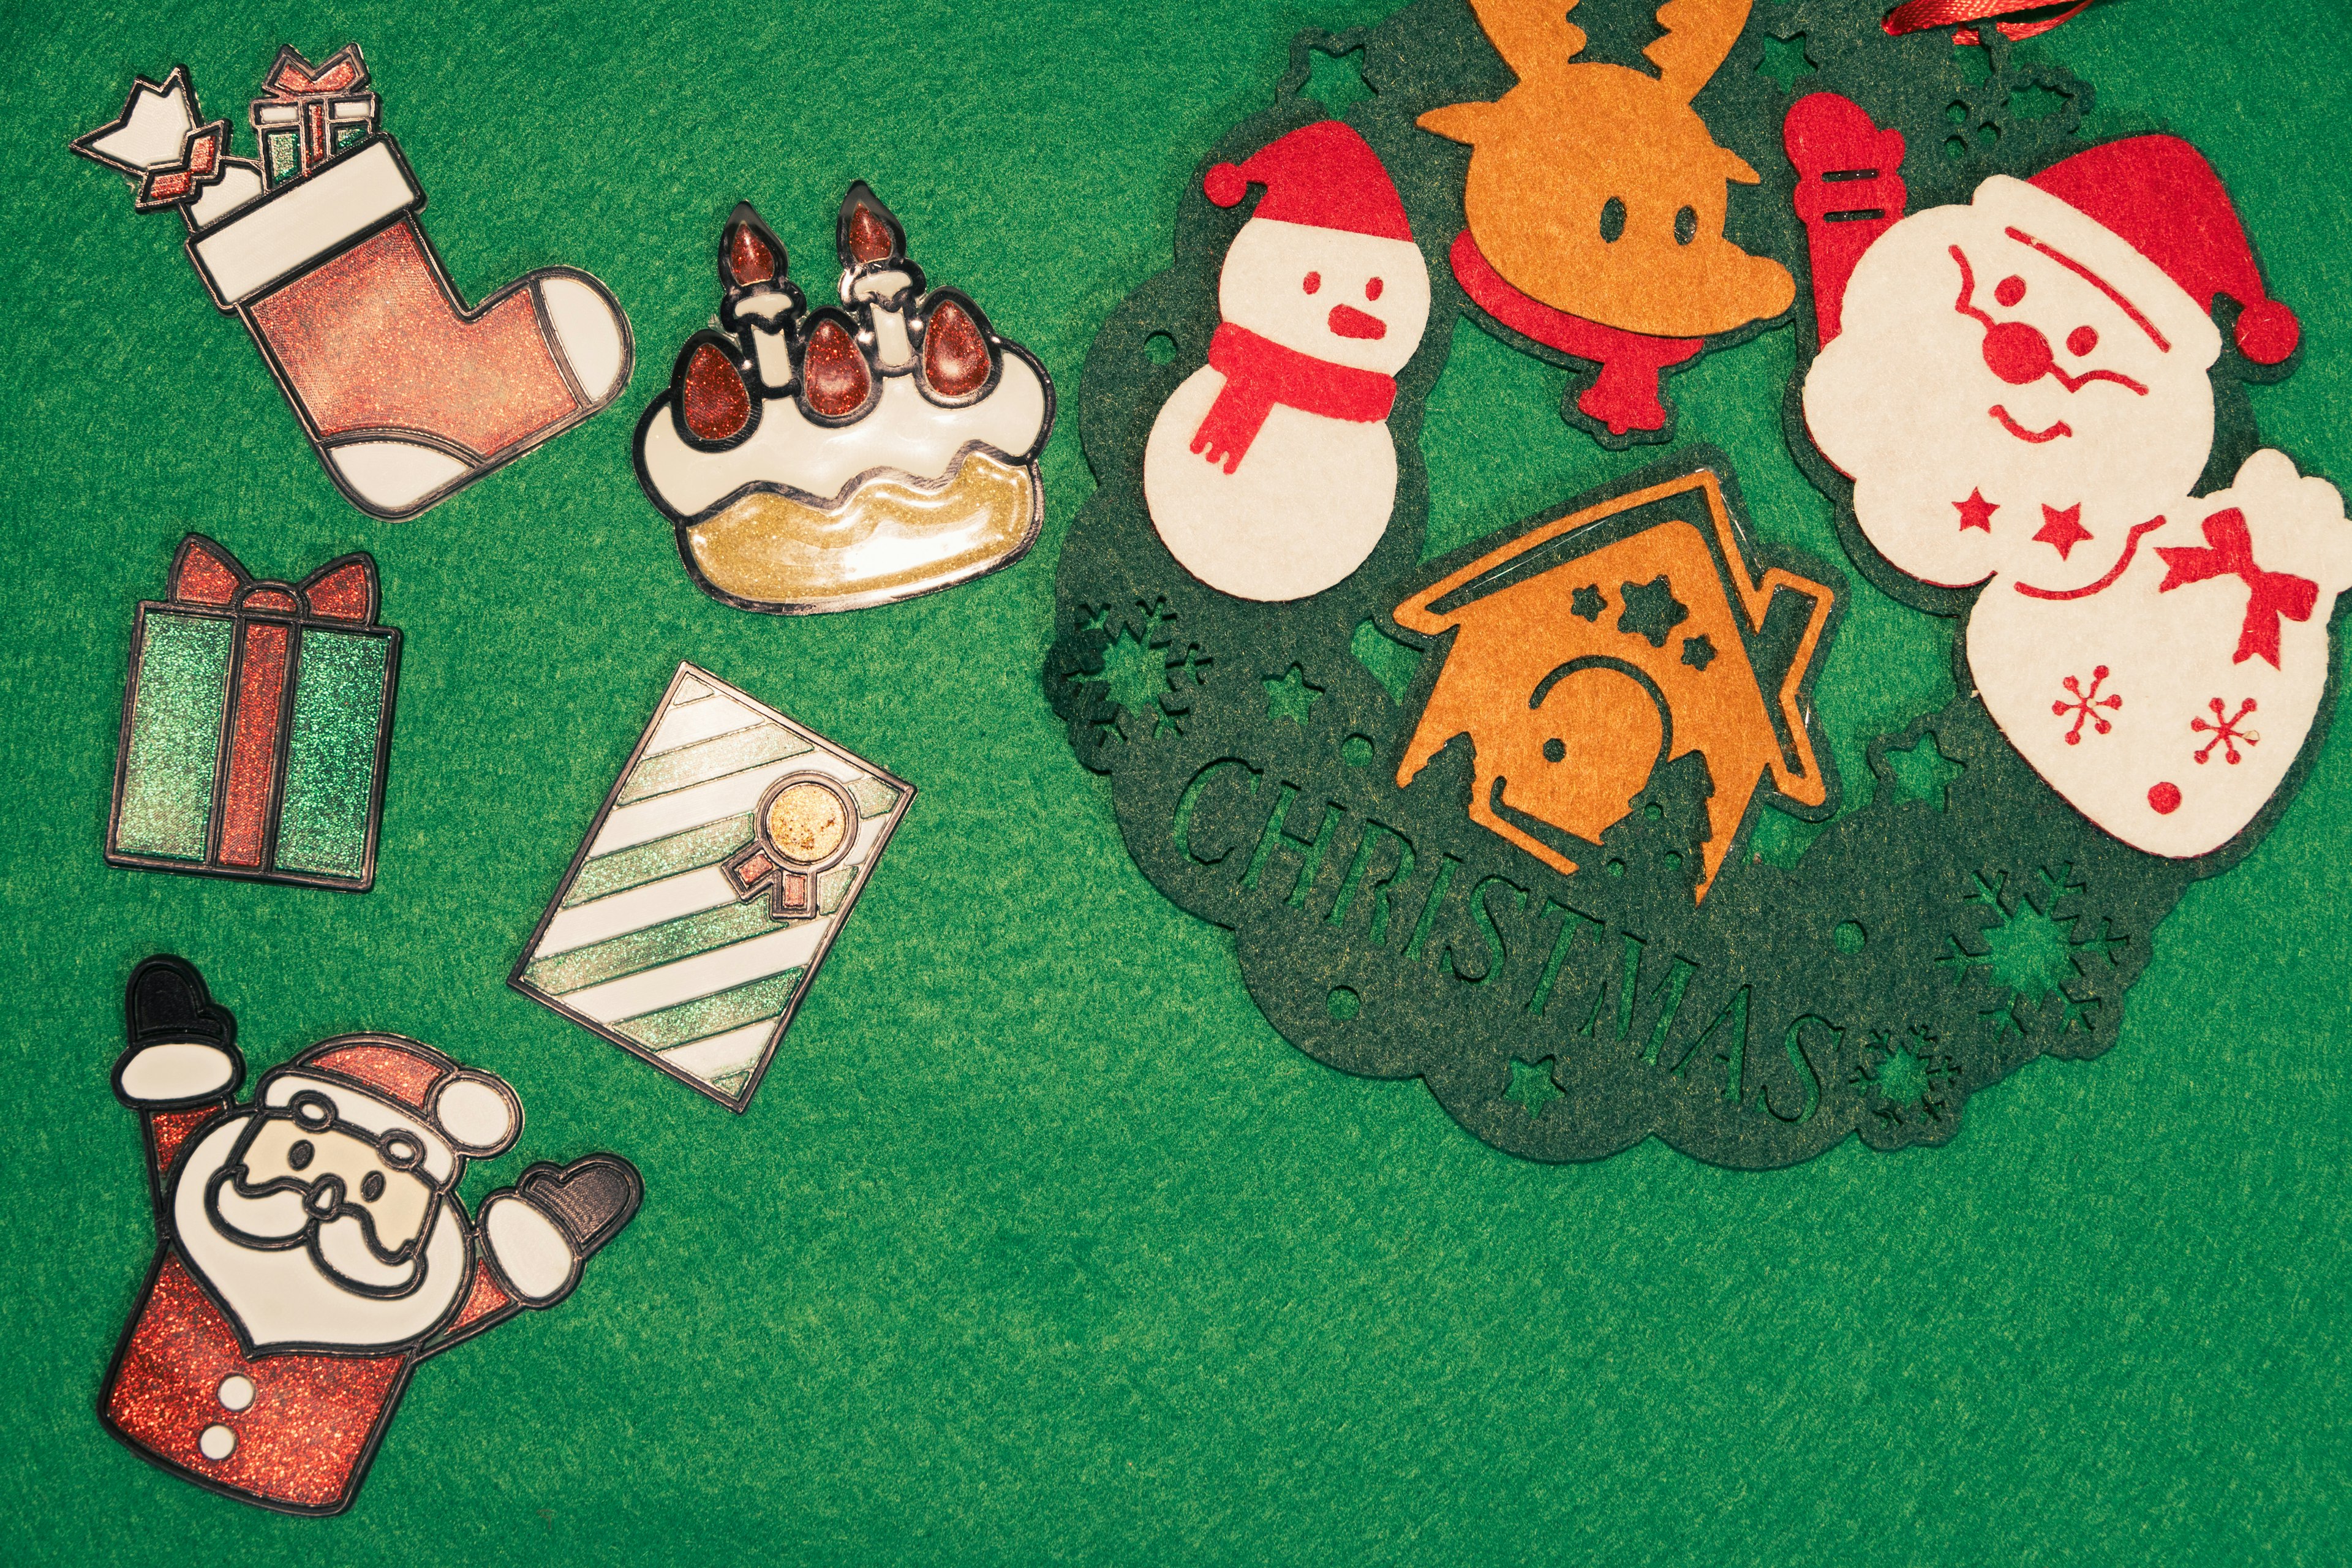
[406,394]
[312,1251]
[843,457]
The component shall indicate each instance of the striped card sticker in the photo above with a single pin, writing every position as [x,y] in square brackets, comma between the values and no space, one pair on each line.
[664,936]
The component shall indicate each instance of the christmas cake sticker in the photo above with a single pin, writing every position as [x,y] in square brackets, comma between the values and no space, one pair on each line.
[841,457]
[255,725]
[711,886]
[1271,472]
[311,1249]
[406,394]
[1552,821]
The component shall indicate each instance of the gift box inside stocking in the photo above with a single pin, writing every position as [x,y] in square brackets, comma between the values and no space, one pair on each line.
[255,725]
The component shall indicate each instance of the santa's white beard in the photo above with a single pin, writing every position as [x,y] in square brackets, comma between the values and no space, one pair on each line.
[280,1297]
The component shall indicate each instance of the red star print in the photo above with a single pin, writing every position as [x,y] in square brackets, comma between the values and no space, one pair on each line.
[1976,511]
[2063,529]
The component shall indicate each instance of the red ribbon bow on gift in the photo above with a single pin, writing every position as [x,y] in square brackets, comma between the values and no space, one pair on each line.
[169,185]
[1919,15]
[295,81]
[2228,552]
[344,589]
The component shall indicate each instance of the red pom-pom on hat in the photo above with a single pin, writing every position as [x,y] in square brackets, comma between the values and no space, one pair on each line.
[2268,331]
[2159,195]
[1322,175]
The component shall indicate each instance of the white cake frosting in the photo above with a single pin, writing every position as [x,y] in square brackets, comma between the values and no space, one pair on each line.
[904,432]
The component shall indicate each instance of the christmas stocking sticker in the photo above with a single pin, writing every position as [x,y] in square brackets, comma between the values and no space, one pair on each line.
[406,394]
[311,1249]
[843,458]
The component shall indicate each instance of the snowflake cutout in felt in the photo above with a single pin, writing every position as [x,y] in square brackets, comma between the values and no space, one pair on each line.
[1652,611]
[1144,672]
[1532,1085]
[1905,1081]
[2031,954]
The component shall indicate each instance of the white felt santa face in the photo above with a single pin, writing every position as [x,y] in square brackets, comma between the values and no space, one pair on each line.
[1270,472]
[2020,393]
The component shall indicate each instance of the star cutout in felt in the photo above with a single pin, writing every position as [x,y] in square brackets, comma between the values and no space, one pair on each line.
[1785,60]
[2062,531]
[1698,652]
[1651,610]
[1531,1085]
[1924,772]
[1976,511]
[1588,602]
[1290,697]
[1335,80]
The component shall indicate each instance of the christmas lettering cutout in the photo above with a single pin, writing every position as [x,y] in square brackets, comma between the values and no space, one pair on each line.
[825,460]
[1488,820]
[310,1247]
[406,395]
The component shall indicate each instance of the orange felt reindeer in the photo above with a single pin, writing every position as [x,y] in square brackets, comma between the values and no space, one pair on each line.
[1596,200]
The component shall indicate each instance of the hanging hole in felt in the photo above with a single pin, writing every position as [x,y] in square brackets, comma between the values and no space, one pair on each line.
[1159,349]
[1342,1003]
[1849,936]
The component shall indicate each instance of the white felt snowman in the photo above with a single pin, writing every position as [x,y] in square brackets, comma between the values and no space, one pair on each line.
[2019,395]
[1270,473]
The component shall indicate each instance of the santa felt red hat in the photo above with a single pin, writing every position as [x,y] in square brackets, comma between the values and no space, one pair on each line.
[1323,175]
[2159,195]
[473,1113]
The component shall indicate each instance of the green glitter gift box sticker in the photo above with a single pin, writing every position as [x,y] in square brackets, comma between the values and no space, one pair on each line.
[255,725]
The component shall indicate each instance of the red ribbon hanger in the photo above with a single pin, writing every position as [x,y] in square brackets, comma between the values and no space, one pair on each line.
[1919,15]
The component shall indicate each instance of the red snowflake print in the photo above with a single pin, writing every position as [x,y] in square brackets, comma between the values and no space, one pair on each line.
[2084,705]
[2224,731]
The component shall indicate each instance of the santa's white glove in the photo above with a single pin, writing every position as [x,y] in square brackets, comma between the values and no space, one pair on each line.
[183,1050]
[540,1231]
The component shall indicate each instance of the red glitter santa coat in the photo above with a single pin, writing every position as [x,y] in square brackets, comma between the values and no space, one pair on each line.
[290,1431]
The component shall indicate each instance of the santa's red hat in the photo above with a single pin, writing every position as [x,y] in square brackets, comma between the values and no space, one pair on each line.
[1323,175]
[469,1113]
[2159,195]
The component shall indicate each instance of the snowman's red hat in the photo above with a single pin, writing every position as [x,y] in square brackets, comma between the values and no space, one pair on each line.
[1323,175]
[471,1113]
[2159,196]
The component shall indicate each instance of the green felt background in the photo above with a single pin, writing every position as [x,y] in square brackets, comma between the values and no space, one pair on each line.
[1038,1245]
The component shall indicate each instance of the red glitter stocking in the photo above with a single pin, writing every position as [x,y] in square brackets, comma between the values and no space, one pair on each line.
[406,394]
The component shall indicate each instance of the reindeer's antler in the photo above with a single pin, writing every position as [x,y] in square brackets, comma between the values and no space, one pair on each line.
[1534,36]
[1699,36]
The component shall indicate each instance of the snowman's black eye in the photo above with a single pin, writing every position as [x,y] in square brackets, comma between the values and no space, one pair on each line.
[299,1156]
[1613,220]
[1314,281]
[2010,290]
[2081,341]
[372,1187]
[1372,289]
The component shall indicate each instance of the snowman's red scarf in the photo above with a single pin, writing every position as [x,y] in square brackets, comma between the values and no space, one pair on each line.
[1260,372]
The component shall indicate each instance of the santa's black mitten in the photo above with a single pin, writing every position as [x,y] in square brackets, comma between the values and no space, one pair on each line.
[554,1219]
